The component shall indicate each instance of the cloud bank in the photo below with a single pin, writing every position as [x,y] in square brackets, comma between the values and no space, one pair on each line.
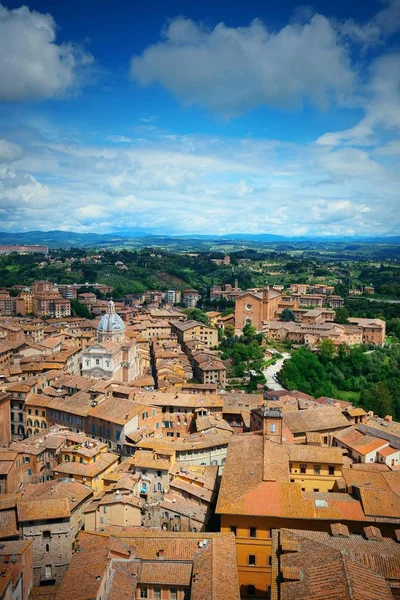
[32,65]
[231,70]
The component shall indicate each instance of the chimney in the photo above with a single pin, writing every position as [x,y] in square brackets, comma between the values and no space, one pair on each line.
[339,530]
[372,533]
[388,418]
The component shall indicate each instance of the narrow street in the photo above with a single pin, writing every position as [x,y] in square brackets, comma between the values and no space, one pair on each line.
[272,370]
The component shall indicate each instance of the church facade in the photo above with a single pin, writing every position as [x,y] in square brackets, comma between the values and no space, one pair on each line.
[113,356]
[255,306]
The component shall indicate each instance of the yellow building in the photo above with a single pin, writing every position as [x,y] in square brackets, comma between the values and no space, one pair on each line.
[193,330]
[87,462]
[114,508]
[36,413]
[315,468]
[212,317]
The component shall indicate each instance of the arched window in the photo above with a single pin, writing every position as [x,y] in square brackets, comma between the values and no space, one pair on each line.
[29,431]
[21,430]
[37,430]
[43,425]
[29,423]
[37,424]
[47,547]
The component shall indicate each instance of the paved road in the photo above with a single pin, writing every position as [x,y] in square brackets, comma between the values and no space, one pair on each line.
[377,300]
[272,370]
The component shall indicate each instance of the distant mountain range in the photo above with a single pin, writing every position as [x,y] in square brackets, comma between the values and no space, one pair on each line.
[67,239]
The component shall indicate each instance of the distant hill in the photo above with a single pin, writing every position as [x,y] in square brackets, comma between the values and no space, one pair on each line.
[139,238]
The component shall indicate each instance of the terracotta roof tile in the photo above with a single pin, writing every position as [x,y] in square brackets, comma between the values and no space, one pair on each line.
[44,509]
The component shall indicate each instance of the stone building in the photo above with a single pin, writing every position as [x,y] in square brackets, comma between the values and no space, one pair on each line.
[50,514]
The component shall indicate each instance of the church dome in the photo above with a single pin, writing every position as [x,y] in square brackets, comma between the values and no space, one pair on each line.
[111,322]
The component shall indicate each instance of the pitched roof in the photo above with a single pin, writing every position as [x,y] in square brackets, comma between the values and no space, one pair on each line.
[92,469]
[323,567]
[152,557]
[315,454]
[43,509]
[74,491]
[116,410]
[319,419]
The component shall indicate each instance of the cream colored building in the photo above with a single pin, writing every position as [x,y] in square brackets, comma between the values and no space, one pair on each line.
[113,355]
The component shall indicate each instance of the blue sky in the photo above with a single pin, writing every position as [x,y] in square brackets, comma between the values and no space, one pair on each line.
[200,117]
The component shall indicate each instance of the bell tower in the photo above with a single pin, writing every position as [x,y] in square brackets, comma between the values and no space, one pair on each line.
[265,296]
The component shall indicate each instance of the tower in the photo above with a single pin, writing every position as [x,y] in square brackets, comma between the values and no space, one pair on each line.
[265,301]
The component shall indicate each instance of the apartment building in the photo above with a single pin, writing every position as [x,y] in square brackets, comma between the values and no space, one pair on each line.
[373,330]
[193,330]
[87,462]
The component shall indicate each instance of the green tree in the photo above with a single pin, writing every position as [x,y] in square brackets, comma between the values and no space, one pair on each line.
[342,316]
[229,331]
[79,309]
[196,314]
[378,399]
[287,315]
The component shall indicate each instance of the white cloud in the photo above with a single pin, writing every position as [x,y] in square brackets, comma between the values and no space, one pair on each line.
[200,184]
[375,31]
[32,65]
[9,151]
[118,139]
[381,104]
[231,70]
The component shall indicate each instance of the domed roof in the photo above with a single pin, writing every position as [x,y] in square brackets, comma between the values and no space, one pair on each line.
[111,322]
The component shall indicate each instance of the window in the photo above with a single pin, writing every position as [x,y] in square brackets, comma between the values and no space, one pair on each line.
[47,571]
[252,560]
[251,590]
[317,469]
[143,592]
[47,547]
[234,529]
[67,458]
[272,428]
[331,470]
[173,593]
[46,534]
[269,560]
[253,532]
[316,490]
[97,363]
[29,411]
[303,468]
[27,459]
[157,592]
